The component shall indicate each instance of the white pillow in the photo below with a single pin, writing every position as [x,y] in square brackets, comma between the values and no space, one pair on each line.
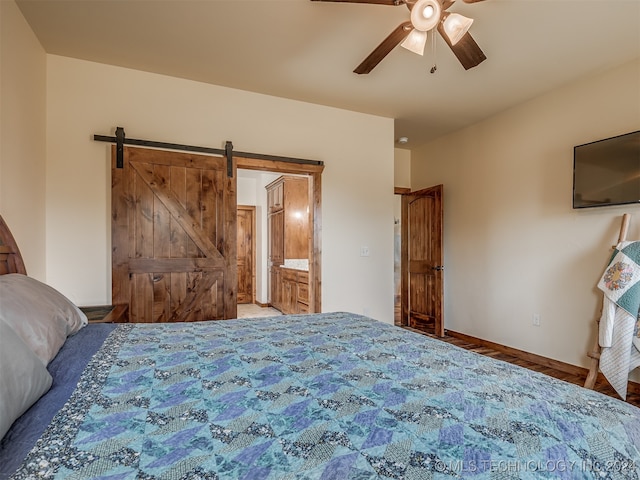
[23,377]
[40,315]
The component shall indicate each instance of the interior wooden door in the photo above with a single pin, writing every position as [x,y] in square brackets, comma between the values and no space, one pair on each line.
[246,254]
[422,289]
[174,236]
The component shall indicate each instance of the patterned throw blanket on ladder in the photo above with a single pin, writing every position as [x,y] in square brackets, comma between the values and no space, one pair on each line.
[620,322]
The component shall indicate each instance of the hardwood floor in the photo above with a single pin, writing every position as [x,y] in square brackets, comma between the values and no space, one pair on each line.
[633,397]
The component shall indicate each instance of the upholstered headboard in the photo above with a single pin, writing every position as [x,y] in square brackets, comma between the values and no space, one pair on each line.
[10,257]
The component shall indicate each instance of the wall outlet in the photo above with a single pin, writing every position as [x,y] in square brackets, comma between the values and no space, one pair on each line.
[536,319]
[364,251]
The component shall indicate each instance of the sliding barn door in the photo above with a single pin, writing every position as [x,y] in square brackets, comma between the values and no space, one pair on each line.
[173,236]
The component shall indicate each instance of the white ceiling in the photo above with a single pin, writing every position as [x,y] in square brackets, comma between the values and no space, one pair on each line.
[307,50]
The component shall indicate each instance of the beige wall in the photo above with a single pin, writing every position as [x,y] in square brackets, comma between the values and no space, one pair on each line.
[402,168]
[402,179]
[84,98]
[513,244]
[22,136]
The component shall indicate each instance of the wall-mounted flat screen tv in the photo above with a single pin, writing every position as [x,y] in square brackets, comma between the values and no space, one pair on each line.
[607,172]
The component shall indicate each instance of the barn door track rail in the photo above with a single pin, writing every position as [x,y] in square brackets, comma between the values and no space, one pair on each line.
[120,140]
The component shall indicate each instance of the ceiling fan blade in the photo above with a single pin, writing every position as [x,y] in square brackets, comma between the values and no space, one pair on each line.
[472,1]
[466,50]
[392,3]
[382,50]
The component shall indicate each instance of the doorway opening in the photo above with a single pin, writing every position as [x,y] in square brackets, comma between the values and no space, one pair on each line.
[253,176]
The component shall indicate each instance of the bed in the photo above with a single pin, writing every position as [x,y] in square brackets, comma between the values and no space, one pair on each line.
[322,396]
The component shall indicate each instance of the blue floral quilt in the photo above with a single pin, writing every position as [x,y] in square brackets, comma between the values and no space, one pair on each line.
[324,396]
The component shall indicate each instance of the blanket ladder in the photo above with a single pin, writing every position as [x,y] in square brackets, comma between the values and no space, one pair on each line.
[594,354]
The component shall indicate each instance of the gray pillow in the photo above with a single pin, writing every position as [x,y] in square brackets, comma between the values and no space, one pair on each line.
[40,315]
[23,377]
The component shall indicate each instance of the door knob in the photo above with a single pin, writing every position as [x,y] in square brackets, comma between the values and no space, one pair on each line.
[438,268]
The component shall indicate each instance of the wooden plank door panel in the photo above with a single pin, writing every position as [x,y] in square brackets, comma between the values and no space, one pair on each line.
[422,255]
[173,236]
[246,255]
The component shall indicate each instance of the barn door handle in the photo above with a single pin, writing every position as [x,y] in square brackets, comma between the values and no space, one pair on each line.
[438,268]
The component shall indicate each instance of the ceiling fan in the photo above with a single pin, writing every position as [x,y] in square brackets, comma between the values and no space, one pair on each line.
[425,16]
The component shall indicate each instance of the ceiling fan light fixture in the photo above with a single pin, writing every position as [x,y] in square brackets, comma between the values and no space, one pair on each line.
[425,14]
[455,26]
[415,41]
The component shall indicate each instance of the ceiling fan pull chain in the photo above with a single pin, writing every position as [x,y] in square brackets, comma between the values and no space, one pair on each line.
[433,51]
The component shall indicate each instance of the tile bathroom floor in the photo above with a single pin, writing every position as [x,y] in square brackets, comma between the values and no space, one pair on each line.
[250,310]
